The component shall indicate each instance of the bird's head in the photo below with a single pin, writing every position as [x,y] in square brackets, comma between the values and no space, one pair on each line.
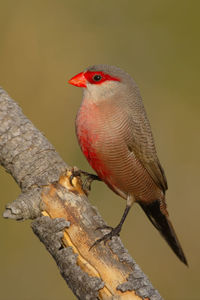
[102,81]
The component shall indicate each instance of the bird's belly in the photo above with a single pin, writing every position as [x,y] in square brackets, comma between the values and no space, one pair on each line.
[107,152]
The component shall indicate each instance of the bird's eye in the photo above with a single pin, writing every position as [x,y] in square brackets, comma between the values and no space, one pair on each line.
[97,77]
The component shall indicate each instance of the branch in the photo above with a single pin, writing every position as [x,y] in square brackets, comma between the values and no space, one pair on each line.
[64,220]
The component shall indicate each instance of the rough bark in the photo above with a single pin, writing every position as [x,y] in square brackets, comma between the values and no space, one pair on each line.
[64,220]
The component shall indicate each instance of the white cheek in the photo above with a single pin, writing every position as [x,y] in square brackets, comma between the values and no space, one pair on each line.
[101,91]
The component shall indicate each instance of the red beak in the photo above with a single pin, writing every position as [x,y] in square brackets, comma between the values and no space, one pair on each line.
[78,80]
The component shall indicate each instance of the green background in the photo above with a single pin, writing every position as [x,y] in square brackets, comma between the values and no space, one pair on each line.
[42,45]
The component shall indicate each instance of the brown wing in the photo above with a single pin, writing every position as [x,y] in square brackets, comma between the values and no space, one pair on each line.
[141,143]
[156,171]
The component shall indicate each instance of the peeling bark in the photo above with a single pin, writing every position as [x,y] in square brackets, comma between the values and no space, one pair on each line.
[64,220]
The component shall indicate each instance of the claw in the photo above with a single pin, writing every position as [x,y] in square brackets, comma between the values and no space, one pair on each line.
[88,180]
[113,232]
[86,186]
[75,173]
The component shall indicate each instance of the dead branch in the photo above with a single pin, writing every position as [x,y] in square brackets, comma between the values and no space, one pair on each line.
[64,220]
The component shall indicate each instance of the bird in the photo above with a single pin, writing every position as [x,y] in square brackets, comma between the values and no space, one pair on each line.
[115,136]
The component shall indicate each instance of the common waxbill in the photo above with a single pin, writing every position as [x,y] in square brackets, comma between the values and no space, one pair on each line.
[115,136]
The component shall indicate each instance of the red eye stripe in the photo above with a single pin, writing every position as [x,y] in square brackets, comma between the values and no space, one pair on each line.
[89,75]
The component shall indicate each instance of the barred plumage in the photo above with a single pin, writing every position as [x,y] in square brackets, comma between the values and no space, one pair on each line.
[115,136]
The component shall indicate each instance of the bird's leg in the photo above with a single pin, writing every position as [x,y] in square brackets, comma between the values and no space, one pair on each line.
[116,230]
[88,180]
[90,176]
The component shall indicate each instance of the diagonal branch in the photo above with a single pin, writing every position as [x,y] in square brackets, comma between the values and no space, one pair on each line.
[64,220]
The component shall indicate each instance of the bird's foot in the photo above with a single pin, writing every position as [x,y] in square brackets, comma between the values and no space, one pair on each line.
[75,172]
[89,178]
[113,232]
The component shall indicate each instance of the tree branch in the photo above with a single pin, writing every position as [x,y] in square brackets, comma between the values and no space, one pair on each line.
[64,220]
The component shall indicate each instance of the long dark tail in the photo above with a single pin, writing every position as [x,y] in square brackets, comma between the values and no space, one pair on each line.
[164,226]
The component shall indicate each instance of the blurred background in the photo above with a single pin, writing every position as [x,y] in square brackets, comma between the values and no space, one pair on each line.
[42,45]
